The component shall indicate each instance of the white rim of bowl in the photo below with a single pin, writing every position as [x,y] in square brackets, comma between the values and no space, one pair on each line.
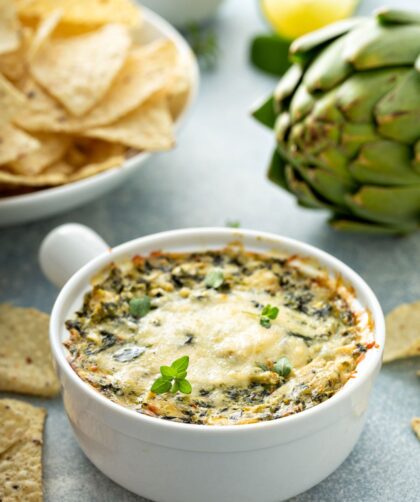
[364,369]
[131,163]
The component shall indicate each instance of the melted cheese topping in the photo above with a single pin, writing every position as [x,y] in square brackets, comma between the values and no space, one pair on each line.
[232,355]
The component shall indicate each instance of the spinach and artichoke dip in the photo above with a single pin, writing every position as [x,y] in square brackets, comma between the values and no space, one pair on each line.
[247,337]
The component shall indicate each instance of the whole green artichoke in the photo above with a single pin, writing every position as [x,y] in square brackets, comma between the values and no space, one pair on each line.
[346,116]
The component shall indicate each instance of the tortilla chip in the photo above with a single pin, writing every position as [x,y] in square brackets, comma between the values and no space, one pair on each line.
[62,168]
[148,128]
[37,180]
[147,70]
[21,464]
[15,143]
[25,357]
[52,148]
[415,424]
[44,32]
[81,14]
[12,426]
[402,332]
[179,89]
[9,27]
[79,70]
[12,65]
[11,101]
[96,168]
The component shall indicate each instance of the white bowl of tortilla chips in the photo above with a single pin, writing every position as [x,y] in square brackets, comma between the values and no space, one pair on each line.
[84,100]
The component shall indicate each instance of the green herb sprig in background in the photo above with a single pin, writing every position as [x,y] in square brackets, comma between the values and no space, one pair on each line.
[203,42]
[173,378]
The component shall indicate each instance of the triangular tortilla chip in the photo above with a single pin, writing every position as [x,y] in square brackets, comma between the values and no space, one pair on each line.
[21,464]
[15,143]
[52,148]
[403,332]
[81,14]
[25,357]
[9,27]
[44,32]
[11,101]
[148,128]
[146,71]
[78,71]
[13,426]
[96,168]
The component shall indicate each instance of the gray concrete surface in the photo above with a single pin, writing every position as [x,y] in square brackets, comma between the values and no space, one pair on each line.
[217,173]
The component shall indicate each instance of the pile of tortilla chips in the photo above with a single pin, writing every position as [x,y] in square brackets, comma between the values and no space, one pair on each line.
[80,92]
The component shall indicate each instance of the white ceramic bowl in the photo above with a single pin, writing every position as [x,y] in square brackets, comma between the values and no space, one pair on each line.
[50,201]
[173,462]
[183,12]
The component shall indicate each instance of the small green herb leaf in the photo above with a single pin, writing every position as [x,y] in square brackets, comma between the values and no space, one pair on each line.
[283,367]
[139,306]
[214,278]
[185,386]
[181,364]
[265,322]
[268,314]
[161,385]
[173,378]
[233,223]
[168,372]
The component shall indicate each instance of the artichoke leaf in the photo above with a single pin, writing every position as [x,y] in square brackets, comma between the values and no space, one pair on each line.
[304,47]
[398,112]
[286,86]
[282,126]
[264,112]
[359,94]
[318,135]
[367,227]
[276,170]
[416,160]
[301,103]
[375,46]
[333,159]
[392,205]
[305,195]
[384,163]
[386,15]
[326,109]
[332,186]
[354,136]
[328,69]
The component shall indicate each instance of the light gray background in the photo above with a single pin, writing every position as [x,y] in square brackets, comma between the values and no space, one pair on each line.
[217,173]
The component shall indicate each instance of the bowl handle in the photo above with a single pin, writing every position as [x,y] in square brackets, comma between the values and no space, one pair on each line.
[66,249]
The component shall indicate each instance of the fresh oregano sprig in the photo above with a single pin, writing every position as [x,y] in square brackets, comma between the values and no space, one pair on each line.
[268,314]
[173,378]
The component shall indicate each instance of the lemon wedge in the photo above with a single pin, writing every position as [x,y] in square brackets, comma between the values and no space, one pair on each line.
[293,18]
